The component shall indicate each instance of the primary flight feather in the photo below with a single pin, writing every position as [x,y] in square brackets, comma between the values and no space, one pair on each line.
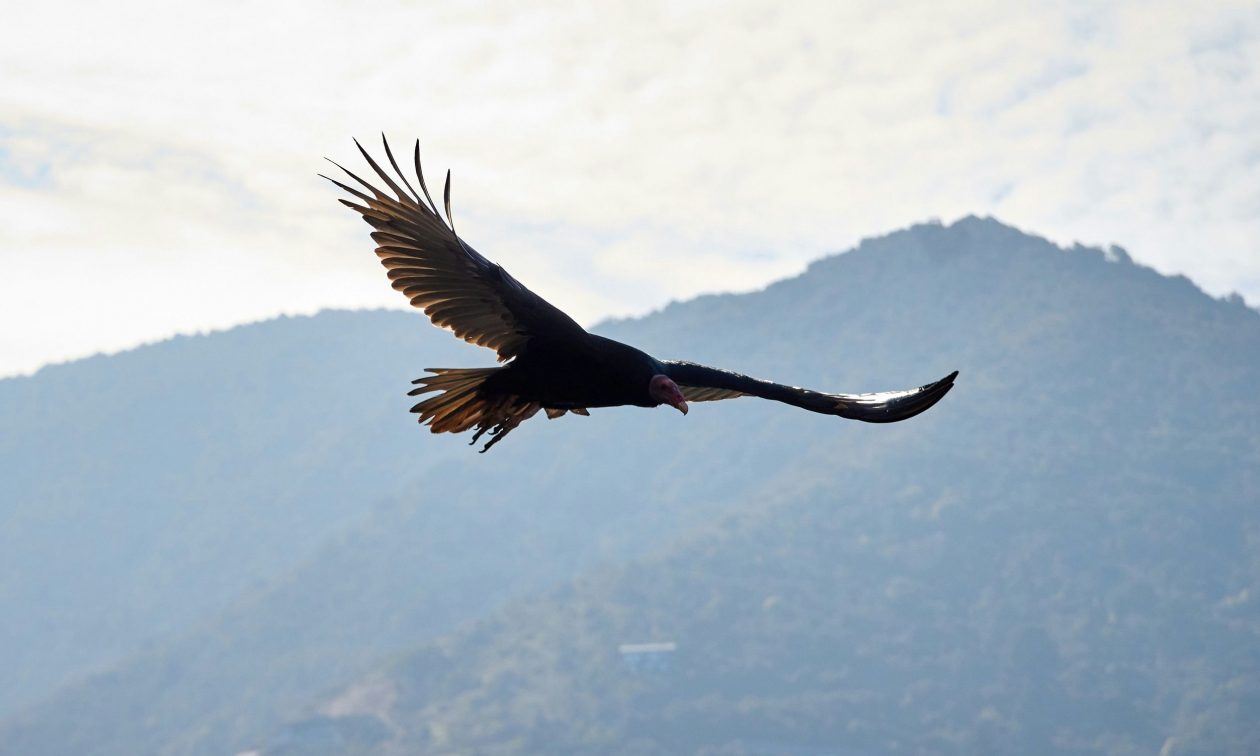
[553,364]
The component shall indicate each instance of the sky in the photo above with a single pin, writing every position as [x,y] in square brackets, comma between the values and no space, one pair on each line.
[158,161]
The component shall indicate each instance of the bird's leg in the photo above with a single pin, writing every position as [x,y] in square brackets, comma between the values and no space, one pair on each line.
[498,433]
[507,421]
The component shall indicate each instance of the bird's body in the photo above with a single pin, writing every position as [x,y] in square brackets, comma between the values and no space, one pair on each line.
[579,373]
[553,364]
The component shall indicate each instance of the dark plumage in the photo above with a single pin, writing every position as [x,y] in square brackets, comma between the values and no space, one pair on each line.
[553,364]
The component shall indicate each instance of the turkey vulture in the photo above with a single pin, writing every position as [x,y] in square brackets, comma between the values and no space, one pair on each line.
[553,364]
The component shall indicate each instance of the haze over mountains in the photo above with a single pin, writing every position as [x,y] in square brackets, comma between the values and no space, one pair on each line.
[241,541]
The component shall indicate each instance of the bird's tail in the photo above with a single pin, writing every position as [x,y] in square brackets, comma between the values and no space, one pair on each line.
[462,404]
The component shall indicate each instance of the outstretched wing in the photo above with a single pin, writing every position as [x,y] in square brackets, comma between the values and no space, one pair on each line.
[702,384]
[454,285]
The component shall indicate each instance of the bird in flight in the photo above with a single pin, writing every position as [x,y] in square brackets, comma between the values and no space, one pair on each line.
[552,363]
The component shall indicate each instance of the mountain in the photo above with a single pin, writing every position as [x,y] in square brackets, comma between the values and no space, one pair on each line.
[1061,556]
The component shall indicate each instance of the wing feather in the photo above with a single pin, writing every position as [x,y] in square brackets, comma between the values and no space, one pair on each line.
[452,283]
[708,393]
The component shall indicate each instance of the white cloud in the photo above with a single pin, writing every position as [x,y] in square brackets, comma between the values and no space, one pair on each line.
[157,165]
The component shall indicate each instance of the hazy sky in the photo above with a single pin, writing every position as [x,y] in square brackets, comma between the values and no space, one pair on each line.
[158,160]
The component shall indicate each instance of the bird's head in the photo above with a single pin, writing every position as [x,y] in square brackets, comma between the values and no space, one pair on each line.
[663,390]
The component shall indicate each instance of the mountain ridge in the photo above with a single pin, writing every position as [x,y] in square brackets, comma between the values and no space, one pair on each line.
[1112,253]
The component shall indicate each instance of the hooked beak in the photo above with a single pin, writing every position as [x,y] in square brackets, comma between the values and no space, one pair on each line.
[680,405]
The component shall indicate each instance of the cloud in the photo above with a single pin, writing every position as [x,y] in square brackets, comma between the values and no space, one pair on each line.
[157,164]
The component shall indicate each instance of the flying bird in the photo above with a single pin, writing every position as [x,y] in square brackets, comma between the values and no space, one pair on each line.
[552,363]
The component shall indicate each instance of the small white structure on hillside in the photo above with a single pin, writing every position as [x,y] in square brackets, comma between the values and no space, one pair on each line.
[647,657]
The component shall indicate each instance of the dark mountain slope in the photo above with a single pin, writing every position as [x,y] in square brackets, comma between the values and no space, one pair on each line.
[1083,382]
[936,608]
